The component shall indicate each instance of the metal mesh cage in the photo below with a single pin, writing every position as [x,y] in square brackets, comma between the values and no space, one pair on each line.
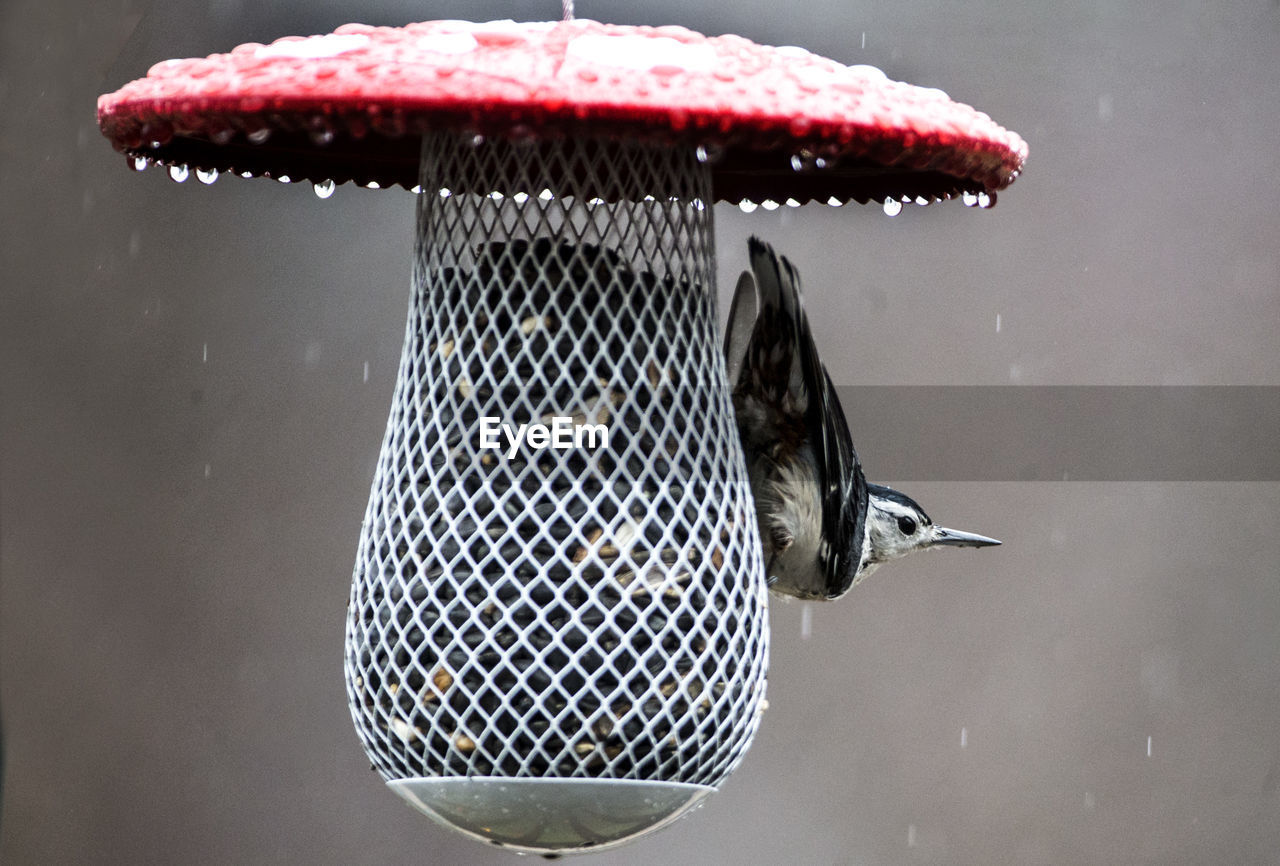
[596,611]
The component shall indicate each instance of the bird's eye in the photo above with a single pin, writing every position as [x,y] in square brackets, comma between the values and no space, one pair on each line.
[906,525]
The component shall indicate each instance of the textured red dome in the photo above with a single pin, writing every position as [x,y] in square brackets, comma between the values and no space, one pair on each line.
[779,123]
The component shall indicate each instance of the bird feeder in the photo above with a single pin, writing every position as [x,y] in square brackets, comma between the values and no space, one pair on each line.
[559,648]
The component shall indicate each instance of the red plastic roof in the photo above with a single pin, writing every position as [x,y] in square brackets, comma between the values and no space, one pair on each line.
[352,105]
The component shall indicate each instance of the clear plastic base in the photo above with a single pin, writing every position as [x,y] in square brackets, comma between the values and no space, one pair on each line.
[550,816]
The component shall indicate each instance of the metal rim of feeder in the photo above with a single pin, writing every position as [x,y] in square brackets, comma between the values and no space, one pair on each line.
[458,112]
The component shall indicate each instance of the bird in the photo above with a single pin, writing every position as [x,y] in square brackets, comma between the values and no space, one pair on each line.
[823,527]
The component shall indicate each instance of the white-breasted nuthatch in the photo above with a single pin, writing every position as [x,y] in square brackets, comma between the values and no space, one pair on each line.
[823,527]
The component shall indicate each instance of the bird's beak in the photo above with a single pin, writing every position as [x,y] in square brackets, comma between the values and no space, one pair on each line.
[944,537]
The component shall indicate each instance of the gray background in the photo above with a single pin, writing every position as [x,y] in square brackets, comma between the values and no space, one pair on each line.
[177,534]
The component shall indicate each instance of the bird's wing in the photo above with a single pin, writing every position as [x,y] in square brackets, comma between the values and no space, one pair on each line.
[844,498]
[844,502]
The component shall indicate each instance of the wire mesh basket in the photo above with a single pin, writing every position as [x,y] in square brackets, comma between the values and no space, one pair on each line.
[588,603]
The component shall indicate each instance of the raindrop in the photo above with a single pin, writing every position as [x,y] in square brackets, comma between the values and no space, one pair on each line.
[923,201]
[477,140]
[259,136]
[807,160]
[911,835]
[791,203]
[284,178]
[204,355]
[138,163]
[246,174]
[207,470]
[964,737]
[445,192]
[709,153]
[520,197]
[969,198]
[986,200]
[747,205]
[178,173]
[157,134]
[997,323]
[206,175]
[135,243]
[1148,747]
[324,188]
[806,621]
[769,204]
[496,196]
[366,371]
[892,207]
[546,195]
[417,190]
[1106,107]
[834,202]
[373,184]
[322,135]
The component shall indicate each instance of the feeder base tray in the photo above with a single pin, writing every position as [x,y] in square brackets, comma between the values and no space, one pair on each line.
[550,816]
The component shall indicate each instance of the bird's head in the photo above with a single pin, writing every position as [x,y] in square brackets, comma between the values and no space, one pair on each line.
[897,525]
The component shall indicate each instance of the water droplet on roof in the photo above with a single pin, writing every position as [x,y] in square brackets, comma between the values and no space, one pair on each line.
[313,47]
[448,43]
[871,73]
[641,53]
[794,51]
